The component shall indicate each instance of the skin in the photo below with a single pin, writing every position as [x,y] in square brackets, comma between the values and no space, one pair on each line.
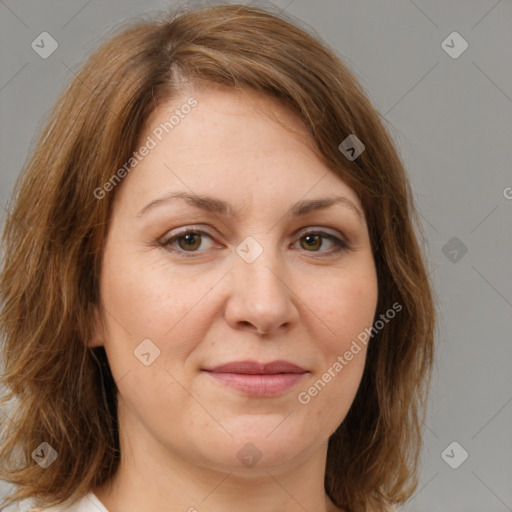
[181,430]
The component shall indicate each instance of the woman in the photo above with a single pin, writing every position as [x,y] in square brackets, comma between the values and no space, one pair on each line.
[214,297]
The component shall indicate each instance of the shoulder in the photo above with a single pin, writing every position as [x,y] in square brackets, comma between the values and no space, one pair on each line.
[87,503]
[67,506]
[382,508]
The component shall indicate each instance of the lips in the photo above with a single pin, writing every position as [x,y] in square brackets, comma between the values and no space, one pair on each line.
[256,368]
[258,379]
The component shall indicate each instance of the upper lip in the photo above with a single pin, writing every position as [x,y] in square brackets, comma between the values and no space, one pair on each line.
[257,368]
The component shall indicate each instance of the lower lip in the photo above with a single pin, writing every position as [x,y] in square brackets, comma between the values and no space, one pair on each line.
[259,385]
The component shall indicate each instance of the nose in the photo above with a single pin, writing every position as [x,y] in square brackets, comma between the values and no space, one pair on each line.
[261,298]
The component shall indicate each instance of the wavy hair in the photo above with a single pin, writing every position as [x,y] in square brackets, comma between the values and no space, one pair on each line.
[54,236]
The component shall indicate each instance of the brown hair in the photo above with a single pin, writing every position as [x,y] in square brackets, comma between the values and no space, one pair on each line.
[53,241]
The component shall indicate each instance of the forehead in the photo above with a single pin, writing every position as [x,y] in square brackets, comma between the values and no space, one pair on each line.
[239,145]
[233,116]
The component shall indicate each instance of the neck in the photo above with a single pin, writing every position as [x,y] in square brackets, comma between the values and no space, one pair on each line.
[171,484]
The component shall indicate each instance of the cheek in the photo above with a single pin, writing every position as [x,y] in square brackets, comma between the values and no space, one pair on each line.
[147,299]
[345,308]
[344,311]
[143,293]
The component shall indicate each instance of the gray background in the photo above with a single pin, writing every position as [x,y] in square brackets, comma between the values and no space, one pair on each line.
[452,121]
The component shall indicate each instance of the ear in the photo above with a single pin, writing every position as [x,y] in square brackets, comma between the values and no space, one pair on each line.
[97,329]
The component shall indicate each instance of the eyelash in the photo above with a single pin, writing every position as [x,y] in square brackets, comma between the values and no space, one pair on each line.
[340,245]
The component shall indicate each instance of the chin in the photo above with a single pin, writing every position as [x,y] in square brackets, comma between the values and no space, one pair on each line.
[259,442]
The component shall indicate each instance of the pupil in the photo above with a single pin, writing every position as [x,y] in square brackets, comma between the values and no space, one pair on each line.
[312,240]
[189,240]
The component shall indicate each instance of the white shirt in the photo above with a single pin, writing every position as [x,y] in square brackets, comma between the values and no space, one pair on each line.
[89,503]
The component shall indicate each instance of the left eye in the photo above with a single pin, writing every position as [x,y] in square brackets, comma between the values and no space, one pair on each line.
[189,241]
[314,239]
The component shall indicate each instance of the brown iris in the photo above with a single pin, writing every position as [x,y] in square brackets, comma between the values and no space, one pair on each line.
[312,241]
[190,238]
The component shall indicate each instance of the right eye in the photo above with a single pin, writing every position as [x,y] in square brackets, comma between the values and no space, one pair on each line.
[188,240]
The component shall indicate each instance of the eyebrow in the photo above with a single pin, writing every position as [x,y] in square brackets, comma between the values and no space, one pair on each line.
[222,208]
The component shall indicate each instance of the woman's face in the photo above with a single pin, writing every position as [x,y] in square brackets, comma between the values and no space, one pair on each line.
[267,273]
